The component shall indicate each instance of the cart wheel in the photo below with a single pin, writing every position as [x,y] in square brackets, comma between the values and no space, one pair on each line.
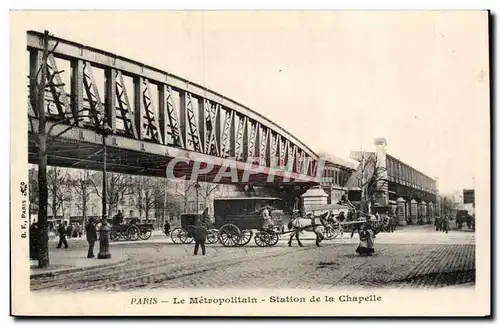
[175,235]
[212,236]
[133,233]
[273,239]
[185,237]
[229,235]
[146,234]
[246,236]
[114,235]
[262,239]
[331,233]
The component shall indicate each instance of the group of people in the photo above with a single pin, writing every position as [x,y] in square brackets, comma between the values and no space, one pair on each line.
[65,231]
[442,223]
[90,231]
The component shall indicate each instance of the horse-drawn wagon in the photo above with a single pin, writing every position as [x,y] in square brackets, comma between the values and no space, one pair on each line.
[238,219]
[184,233]
[131,231]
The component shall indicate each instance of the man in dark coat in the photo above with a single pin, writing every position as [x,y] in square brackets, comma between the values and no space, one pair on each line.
[166,227]
[200,236]
[34,234]
[118,218]
[91,231]
[61,229]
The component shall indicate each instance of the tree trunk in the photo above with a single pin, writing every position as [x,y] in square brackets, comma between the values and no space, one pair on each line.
[54,205]
[84,210]
[43,236]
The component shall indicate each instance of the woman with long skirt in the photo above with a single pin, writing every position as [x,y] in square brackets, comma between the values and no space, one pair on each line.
[366,236]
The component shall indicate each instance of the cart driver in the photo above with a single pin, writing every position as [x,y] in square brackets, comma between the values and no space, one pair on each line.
[266,224]
[311,217]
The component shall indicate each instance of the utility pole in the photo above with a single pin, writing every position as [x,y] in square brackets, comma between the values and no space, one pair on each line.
[105,229]
[197,187]
[43,248]
[164,203]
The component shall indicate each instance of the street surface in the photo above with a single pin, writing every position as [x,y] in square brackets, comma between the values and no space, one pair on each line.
[414,256]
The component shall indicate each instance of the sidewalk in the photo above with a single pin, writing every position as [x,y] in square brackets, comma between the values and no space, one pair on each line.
[64,261]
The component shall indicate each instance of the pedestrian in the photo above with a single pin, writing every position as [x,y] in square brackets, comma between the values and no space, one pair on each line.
[118,218]
[79,230]
[91,231]
[166,227]
[34,236]
[61,229]
[69,231]
[200,236]
[446,224]
[366,237]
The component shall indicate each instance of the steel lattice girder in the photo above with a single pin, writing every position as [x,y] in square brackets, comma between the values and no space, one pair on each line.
[126,155]
[217,126]
[151,124]
[124,105]
[56,86]
[96,106]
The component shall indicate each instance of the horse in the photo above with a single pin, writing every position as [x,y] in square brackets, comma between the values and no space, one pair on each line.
[388,223]
[300,224]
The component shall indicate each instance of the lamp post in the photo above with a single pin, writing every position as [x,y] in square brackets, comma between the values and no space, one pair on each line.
[105,229]
[197,187]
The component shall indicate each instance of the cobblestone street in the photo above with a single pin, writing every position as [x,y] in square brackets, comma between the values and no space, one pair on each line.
[413,256]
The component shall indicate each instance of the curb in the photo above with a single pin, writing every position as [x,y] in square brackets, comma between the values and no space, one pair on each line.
[63,271]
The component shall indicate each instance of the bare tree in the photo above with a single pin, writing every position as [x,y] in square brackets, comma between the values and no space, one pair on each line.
[165,201]
[370,177]
[83,188]
[145,190]
[118,186]
[183,190]
[206,190]
[57,181]
[41,81]
[33,190]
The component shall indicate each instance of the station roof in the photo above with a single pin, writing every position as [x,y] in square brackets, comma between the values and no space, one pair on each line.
[339,161]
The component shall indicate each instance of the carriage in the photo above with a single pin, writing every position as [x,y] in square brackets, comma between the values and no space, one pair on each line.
[184,233]
[131,231]
[336,218]
[238,219]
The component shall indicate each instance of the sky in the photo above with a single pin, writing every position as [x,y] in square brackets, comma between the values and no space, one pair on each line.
[335,80]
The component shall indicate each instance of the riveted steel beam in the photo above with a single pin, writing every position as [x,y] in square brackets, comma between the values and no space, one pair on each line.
[281,153]
[273,149]
[138,107]
[72,50]
[123,104]
[110,97]
[263,145]
[56,88]
[150,125]
[35,77]
[170,115]
[252,139]
[298,161]
[240,133]
[226,141]
[77,87]
[208,115]
[213,127]
[188,123]
[96,108]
